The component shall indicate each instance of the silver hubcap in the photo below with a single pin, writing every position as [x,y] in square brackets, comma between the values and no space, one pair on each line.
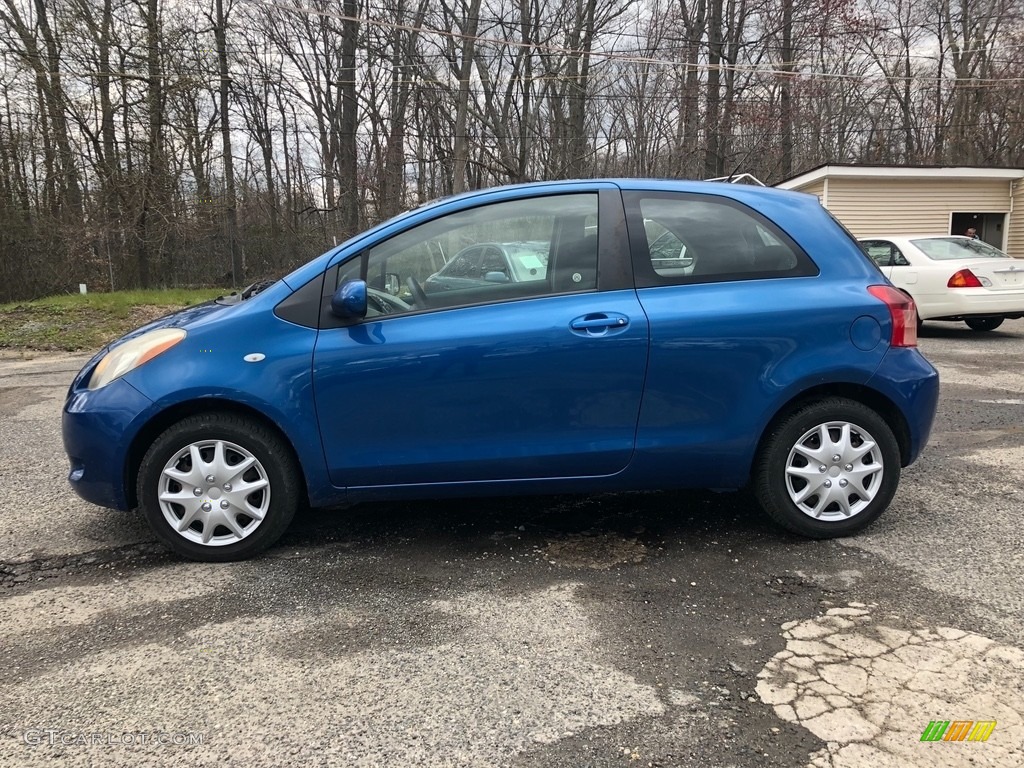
[834,471]
[213,492]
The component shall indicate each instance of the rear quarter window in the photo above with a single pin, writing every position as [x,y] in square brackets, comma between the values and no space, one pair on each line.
[692,238]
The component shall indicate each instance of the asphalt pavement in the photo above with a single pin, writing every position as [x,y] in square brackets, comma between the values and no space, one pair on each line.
[653,629]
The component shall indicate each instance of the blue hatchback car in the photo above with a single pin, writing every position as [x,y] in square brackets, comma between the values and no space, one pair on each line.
[774,356]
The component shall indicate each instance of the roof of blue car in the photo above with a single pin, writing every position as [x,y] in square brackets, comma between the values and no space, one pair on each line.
[751,195]
[738,191]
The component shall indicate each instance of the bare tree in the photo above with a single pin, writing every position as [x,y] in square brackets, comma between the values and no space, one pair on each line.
[139,148]
[220,32]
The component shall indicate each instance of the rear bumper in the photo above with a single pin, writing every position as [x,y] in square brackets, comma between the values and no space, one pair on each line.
[907,378]
[98,426]
[971,302]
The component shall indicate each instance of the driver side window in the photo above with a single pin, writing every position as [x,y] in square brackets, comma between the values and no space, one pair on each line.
[503,251]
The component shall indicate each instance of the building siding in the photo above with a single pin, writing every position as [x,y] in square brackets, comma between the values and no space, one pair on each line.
[1015,230]
[913,206]
[816,188]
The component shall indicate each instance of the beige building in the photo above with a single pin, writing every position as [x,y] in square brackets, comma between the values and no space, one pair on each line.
[899,200]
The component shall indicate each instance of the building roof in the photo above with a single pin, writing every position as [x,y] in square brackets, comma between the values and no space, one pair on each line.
[899,172]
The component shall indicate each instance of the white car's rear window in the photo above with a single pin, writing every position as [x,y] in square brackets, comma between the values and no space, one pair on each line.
[953,248]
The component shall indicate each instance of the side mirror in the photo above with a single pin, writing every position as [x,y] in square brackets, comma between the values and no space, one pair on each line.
[496,277]
[349,301]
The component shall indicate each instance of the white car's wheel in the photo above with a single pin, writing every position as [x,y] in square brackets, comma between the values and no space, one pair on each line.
[829,469]
[984,323]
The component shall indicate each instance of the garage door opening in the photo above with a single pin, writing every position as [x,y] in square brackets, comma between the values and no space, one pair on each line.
[991,227]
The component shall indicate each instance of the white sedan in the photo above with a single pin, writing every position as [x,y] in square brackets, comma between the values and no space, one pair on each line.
[952,277]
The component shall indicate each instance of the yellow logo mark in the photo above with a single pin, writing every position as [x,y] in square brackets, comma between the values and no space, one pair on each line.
[958,730]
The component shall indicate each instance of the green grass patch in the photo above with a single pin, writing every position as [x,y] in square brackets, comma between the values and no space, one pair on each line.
[77,322]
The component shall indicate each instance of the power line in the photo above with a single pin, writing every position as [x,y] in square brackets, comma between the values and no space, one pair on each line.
[628,57]
[624,57]
[682,67]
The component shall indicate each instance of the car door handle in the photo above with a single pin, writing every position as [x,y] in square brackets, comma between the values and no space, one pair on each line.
[597,322]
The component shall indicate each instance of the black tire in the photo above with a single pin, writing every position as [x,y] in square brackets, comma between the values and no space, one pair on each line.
[772,487]
[984,323]
[238,435]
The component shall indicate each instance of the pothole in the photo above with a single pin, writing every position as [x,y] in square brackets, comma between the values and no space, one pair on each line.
[599,552]
[36,568]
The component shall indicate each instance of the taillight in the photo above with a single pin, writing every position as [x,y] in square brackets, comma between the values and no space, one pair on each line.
[903,312]
[964,279]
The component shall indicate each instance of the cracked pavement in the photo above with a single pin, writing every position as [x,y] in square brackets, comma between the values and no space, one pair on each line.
[865,687]
[655,629]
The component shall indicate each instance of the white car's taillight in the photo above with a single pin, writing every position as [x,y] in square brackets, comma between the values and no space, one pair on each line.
[903,312]
[967,279]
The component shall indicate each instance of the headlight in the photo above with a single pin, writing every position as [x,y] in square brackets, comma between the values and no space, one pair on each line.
[132,354]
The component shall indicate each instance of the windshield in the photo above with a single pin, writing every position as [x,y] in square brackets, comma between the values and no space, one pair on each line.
[950,248]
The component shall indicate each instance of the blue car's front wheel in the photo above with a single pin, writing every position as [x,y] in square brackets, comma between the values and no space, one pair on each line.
[218,487]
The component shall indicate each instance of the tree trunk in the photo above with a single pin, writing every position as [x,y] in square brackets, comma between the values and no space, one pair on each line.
[785,94]
[154,147]
[230,202]
[713,161]
[579,143]
[71,187]
[348,160]
[461,154]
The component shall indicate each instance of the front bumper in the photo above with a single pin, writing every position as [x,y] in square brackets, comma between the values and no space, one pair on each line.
[98,427]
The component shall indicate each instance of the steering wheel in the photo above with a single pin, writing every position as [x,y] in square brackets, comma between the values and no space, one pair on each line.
[417,291]
[384,303]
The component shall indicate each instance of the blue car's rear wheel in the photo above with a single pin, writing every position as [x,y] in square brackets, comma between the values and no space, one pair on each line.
[828,469]
[218,487]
